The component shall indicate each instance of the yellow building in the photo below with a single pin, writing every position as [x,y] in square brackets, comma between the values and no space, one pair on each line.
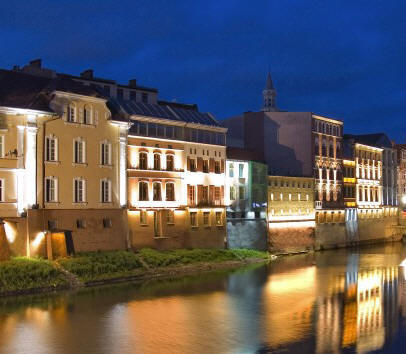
[59,164]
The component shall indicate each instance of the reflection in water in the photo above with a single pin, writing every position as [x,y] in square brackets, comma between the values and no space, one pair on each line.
[325,303]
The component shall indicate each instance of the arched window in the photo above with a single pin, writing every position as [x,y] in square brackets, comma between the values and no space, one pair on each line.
[324,148]
[143,160]
[338,149]
[71,113]
[170,192]
[156,191]
[143,191]
[331,149]
[157,161]
[87,114]
[169,162]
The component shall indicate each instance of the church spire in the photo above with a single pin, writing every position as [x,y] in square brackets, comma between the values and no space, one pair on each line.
[269,96]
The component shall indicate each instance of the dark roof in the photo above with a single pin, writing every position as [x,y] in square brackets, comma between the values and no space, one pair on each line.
[21,90]
[130,108]
[234,153]
[269,83]
[191,106]
[107,81]
[380,140]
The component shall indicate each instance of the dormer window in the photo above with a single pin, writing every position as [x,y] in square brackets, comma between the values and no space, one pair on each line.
[87,115]
[71,113]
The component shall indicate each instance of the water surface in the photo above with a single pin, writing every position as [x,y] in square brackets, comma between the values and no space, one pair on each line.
[329,302]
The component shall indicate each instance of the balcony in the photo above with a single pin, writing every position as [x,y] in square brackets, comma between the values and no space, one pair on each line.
[319,204]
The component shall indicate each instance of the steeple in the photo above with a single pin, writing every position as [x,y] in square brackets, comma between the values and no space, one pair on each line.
[269,96]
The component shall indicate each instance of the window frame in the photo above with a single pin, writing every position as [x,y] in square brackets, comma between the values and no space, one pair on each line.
[54,187]
[144,191]
[173,191]
[79,188]
[103,145]
[76,143]
[48,150]
[103,183]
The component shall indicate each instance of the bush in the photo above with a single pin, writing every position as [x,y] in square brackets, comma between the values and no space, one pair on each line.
[100,264]
[22,273]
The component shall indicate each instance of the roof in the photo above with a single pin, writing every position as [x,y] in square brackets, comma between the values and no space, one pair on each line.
[234,153]
[21,90]
[380,140]
[191,106]
[163,111]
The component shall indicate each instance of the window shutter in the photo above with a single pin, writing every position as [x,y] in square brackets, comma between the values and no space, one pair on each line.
[199,164]
[222,166]
[222,195]
[211,165]
[188,163]
[80,120]
[199,193]
[188,194]
[211,194]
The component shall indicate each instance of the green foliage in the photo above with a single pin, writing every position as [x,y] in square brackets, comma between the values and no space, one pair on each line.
[94,265]
[20,273]
[178,257]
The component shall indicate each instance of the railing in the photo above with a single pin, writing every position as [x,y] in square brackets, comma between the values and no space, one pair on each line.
[319,204]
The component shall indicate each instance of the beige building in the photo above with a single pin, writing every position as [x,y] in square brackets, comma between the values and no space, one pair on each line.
[176,176]
[60,162]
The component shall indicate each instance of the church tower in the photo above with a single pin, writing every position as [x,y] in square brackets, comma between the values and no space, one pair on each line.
[269,96]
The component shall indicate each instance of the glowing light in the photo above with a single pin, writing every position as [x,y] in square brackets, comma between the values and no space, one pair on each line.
[11,232]
[38,239]
[273,218]
[404,199]
[292,224]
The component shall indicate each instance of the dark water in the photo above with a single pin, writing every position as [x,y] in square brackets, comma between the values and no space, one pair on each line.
[331,302]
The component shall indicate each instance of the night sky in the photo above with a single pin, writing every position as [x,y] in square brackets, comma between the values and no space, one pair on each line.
[344,59]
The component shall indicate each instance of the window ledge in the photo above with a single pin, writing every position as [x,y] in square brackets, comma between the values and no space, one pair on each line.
[194,227]
[52,162]
[143,225]
[160,237]
[170,223]
[106,203]
[81,164]
[79,203]
[106,166]
[52,203]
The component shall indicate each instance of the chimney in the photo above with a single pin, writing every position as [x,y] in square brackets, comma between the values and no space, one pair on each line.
[87,74]
[132,82]
[36,63]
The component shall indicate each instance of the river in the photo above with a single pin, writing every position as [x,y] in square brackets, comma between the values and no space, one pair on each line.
[328,302]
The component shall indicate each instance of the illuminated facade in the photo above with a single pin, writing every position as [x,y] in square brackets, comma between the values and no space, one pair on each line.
[401,156]
[175,175]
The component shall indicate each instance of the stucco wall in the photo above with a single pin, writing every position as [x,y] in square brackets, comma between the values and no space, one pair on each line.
[247,233]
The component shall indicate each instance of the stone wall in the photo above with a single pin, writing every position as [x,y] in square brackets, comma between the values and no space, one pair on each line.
[291,239]
[330,235]
[247,233]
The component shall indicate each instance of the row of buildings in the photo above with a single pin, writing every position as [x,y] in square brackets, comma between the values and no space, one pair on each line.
[90,164]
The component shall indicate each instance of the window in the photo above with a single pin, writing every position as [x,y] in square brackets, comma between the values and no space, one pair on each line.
[170,217]
[206,218]
[219,218]
[2,145]
[107,89]
[157,162]
[120,93]
[156,190]
[51,190]
[232,193]
[107,223]
[191,195]
[80,224]
[1,190]
[143,160]
[50,148]
[205,194]
[206,166]
[193,219]
[143,191]
[241,170]
[143,217]
[241,192]
[133,95]
[217,168]
[193,165]
[79,151]
[231,171]
[217,198]
[170,192]
[144,97]
[105,153]
[71,113]
[169,162]
[87,115]
[105,191]
[79,190]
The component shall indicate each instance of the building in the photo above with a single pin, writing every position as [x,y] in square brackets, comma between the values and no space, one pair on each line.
[389,165]
[245,193]
[291,212]
[176,175]
[60,165]
[401,179]
[294,144]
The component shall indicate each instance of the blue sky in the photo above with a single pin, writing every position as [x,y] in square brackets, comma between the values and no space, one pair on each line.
[344,59]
